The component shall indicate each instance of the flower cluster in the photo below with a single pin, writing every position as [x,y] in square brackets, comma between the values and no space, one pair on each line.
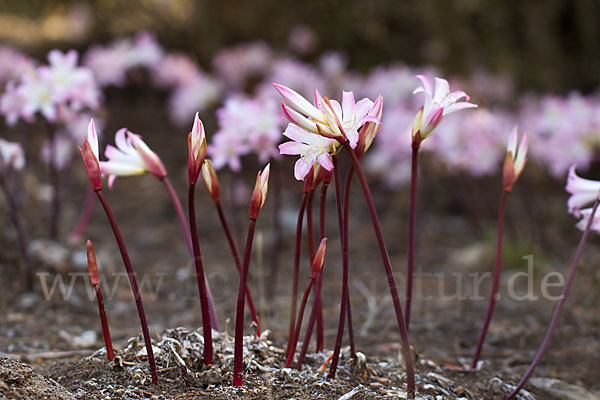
[56,91]
[564,130]
[246,126]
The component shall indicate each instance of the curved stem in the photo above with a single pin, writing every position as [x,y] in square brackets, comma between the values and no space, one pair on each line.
[296,270]
[206,323]
[238,263]
[132,282]
[495,281]
[85,216]
[410,262]
[410,374]
[238,359]
[188,239]
[559,306]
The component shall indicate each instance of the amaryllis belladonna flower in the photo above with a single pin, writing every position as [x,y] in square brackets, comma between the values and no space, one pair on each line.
[439,102]
[583,192]
[515,159]
[311,148]
[90,157]
[259,195]
[196,150]
[132,156]
[327,117]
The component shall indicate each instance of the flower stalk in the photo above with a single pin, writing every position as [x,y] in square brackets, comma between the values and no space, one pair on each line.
[91,162]
[211,181]
[559,306]
[93,275]
[410,376]
[317,264]
[513,166]
[201,278]
[257,201]
[410,257]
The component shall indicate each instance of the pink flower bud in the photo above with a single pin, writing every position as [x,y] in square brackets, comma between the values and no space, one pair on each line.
[259,195]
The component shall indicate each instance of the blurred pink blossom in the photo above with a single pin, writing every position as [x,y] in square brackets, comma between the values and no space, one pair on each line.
[63,151]
[198,94]
[13,63]
[253,124]
[12,156]
[237,65]
[174,70]
[473,142]
[563,130]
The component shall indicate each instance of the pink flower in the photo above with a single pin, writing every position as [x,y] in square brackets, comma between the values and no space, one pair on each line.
[109,63]
[253,124]
[259,195]
[311,148]
[515,160]
[196,150]
[132,156]
[174,70]
[12,156]
[438,103]
[226,149]
[583,192]
[199,93]
[327,117]
[89,153]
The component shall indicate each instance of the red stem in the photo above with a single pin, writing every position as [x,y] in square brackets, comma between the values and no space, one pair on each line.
[206,323]
[410,262]
[188,239]
[132,282]
[316,312]
[559,306]
[322,208]
[105,331]
[495,281]
[238,263]
[345,286]
[13,212]
[238,359]
[410,374]
[296,270]
[292,350]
